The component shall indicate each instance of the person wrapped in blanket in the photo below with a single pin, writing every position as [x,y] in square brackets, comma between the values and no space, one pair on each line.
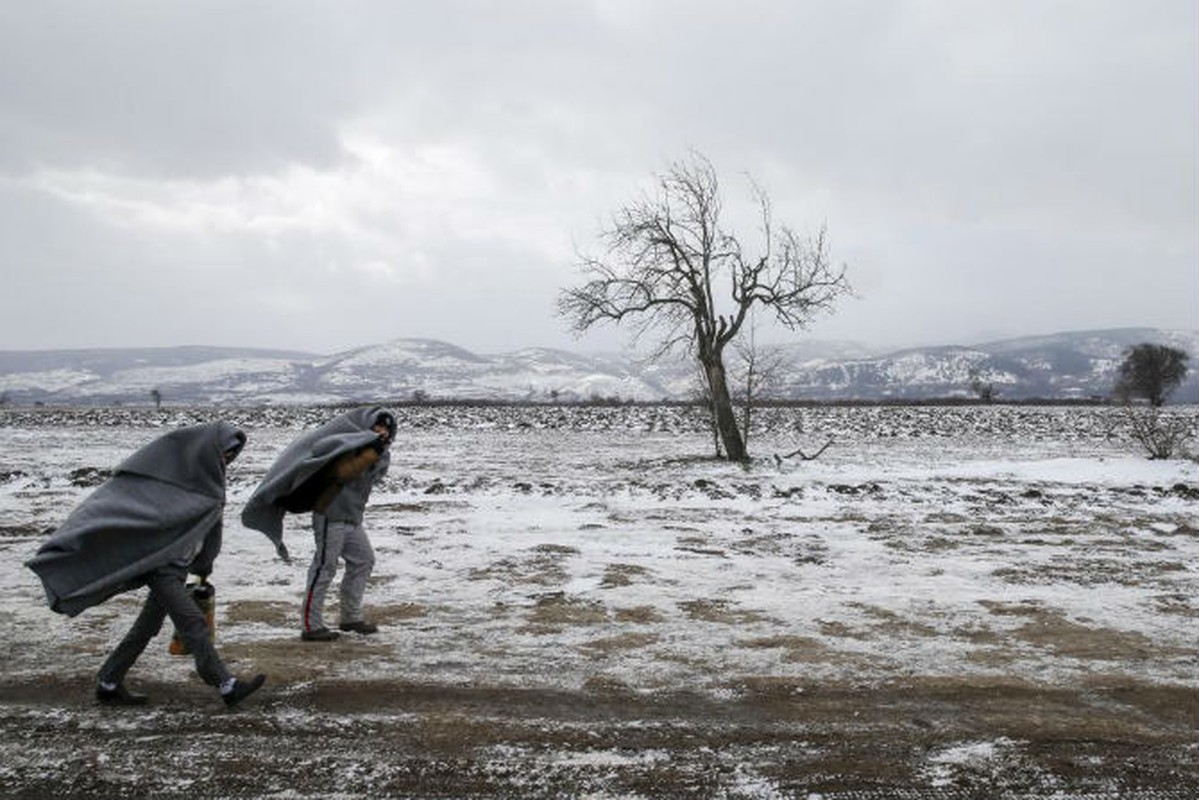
[158,518]
[329,472]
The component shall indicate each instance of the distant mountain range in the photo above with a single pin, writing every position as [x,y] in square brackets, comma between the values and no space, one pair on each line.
[1074,365]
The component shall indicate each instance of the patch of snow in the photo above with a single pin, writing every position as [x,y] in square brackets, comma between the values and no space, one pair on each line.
[547,546]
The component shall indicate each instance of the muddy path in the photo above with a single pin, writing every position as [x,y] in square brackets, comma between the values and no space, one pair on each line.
[770,738]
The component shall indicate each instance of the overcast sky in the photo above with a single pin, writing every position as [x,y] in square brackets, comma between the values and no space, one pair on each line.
[318,176]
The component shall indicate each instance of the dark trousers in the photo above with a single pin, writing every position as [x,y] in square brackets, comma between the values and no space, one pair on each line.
[169,596]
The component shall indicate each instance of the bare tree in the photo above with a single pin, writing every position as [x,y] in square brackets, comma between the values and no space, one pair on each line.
[985,390]
[1151,371]
[670,265]
[156,396]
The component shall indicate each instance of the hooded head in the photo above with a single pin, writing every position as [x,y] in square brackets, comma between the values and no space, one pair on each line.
[191,457]
[232,443]
[387,420]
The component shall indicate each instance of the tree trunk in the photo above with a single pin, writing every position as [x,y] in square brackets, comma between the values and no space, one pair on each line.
[722,407]
[715,430]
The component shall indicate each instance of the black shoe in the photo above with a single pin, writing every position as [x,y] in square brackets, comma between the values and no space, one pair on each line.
[361,626]
[243,689]
[319,635]
[120,696]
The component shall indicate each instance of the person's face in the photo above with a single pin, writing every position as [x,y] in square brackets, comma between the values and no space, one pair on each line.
[383,432]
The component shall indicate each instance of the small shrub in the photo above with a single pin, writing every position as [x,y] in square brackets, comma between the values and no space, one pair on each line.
[1162,436]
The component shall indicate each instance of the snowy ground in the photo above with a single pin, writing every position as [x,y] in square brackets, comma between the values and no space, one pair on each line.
[578,602]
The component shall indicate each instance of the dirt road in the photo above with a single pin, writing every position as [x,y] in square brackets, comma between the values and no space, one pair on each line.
[769,739]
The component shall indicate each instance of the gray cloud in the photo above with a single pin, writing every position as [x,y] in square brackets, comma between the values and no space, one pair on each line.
[320,175]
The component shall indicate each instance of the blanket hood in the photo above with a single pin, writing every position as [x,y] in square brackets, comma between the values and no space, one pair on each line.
[287,484]
[157,508]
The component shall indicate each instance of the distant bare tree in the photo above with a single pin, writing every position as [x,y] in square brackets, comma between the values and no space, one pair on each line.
[1151,371]
[984,390]
[156,396]
[669,261]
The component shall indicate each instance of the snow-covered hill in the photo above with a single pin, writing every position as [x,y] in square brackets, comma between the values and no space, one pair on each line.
[1074,365]
[1060,366]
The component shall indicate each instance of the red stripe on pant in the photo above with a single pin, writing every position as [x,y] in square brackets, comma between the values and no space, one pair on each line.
[316,577]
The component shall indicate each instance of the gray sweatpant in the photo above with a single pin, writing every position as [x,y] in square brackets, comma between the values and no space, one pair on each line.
[335,540]
[169,596]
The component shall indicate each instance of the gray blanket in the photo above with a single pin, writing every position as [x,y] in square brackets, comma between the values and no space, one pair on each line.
[157,509]
[299,473]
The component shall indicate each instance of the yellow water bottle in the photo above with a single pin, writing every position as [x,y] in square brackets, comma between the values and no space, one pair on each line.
[204,593]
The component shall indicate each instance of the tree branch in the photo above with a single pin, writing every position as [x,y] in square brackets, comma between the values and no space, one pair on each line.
[804,456]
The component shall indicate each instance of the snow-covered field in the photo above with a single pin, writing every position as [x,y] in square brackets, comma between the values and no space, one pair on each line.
[580,602]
